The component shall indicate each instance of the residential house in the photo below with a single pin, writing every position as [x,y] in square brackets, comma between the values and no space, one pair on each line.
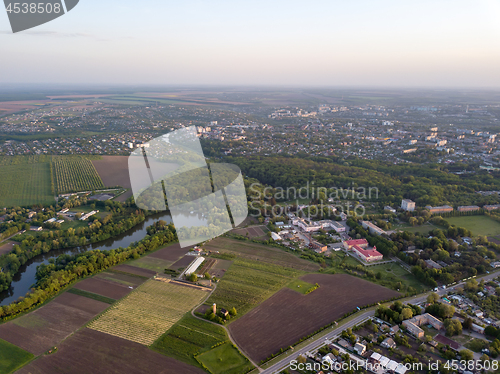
[388,343]
[359,348]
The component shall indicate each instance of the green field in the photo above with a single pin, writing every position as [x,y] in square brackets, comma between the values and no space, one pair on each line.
[25,180]
[189,337]
[225,359]
[28,180]
[12,357]
[479,225]
[393,272]
[300,286]
[74,174]
[247,283]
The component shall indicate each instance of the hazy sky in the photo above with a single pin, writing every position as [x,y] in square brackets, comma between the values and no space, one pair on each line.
[403,43]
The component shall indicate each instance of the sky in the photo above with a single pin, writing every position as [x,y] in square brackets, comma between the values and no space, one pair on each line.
[383,43]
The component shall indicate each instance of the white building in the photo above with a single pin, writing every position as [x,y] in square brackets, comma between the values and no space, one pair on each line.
[408,205]
[373,229]
[194,265]
[90,214]
[275,236]
[390,209]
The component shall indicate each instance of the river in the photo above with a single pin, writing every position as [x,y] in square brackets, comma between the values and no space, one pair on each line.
[25,278]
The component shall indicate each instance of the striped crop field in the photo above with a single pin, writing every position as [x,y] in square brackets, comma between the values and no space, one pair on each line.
[148,311]
[74,174]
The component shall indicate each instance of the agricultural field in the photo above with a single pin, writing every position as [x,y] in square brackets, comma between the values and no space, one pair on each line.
[247,283]
[12,357]
[133,270]
[182,263]
[45,327]
[225,359]
[479,225]
[252,232]
[125,279]
[171,252]
[93,352]
[25,180]
[147,312]
[74,174]
[103,287]
[220,268]
[113,171]
[261,253]
[287,316]
[150,263]
[92,296]
[188,338]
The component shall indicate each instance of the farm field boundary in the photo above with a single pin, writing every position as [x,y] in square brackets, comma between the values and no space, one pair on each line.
[25,180]
[247,283]
[148,311]
[261,253]
[75,173]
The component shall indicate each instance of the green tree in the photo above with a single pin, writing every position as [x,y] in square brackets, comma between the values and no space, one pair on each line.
[433,298]
[406,313]
[466,355]
[301,359]
[453,327]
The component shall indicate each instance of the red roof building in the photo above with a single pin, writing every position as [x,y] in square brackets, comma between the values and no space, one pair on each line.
[368,255]
[348,244]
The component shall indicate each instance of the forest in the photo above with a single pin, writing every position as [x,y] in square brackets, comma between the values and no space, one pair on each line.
[425,184]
